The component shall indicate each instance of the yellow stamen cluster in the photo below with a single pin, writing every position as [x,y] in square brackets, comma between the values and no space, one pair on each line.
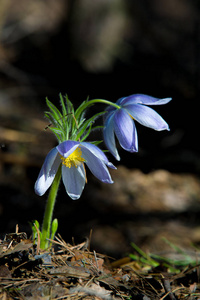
[75,159]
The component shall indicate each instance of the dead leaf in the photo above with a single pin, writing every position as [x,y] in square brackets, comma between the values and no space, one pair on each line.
[19,247]
[5,272]
[68,271]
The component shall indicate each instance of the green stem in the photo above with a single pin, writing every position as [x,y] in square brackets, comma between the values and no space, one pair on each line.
[83,106]
[47,221]
[103,101]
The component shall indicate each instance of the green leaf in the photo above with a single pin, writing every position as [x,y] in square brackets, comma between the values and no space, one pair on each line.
[81,109]
[35,226]
[64,110]
[54,228]
[97,143]
[69,106]
[58,133]
[56,114]
[97,127]
[87,133]
[145,258]
[58,120]
[87,124]
[50,117]
[83,129]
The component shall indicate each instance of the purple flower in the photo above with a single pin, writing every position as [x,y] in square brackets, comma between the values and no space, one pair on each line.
[72,155]
[120,121]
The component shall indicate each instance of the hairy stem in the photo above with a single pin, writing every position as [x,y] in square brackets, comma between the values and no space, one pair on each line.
[47,221]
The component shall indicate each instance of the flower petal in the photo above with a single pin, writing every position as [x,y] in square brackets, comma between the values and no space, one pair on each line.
[125,130]
[109,137]
[147,116]
[98,153]
[47,172]
[74,180]
[67,147]
[142,99]
[96,166]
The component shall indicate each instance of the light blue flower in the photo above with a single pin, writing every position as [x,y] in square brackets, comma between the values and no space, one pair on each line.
[72,155]
[120,121]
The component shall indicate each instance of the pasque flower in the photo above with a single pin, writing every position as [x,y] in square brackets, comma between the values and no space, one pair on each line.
[120,121]
[71,156]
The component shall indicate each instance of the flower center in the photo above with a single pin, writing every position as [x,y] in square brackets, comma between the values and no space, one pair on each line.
[74,159]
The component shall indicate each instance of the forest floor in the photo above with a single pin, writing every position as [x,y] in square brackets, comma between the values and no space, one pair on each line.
[74,272]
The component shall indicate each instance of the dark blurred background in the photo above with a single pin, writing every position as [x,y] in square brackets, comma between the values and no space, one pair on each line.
[101,49]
